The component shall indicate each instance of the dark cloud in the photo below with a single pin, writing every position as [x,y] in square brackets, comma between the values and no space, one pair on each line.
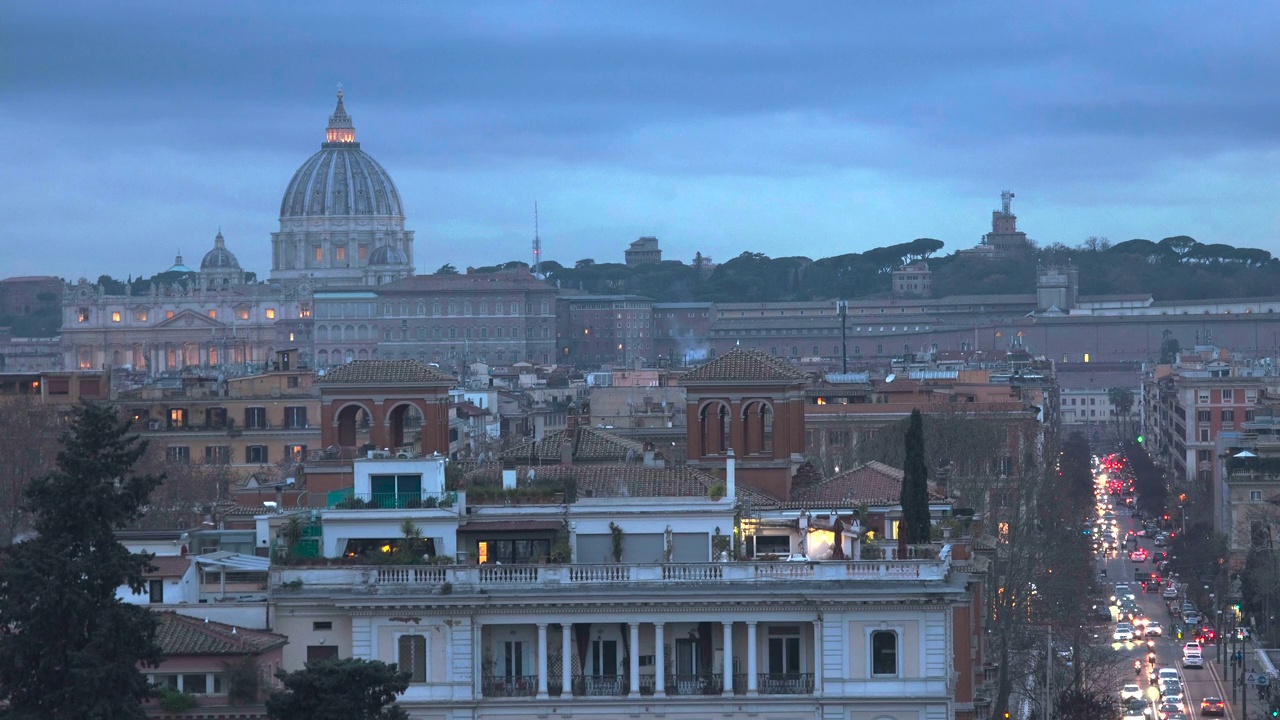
[150,121]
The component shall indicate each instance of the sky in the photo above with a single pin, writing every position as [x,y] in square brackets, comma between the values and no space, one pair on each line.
[136,130]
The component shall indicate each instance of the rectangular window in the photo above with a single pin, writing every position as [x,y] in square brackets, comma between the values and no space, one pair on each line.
[604,658]
[213,314]
[884,653]
[177,454]
[316,653]
[295,417]
[322,625]
[1204,435]
[1203,416]
[513,658]
[412,657]
[271,313]
[340,253]
[168,314]
[1228,396]
[140,315]
[255,418]
[115,317]
[362,252]
[177,418]
[155,591]
[195,683]
[256,454]
[82,315]
[1251,396]
[1255,496]
[1204,455]
[1202,397]
[784,651]
[1228,416]
[217,454]
[1248,416]
[317,253]
[296,453]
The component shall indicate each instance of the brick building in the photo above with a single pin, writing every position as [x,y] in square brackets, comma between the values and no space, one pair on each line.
[599,330]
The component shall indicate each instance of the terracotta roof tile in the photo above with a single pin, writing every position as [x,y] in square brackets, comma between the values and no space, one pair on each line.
[589,445]
[745,365]
[169,566]
[873,483]
[607,480]
[384,372]
[181,635]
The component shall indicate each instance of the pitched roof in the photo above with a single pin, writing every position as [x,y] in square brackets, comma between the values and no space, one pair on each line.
[745,365]
[181,635]
[589,445]
[872,483]
[384,372]
[169,566]
[519,280]
[612,480]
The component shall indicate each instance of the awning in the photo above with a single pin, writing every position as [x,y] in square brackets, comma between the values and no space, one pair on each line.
[235,561]
[507,526]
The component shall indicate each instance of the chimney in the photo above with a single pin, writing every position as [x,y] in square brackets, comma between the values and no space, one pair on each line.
[730,482]
[571,423]
[648,455]
[566,452]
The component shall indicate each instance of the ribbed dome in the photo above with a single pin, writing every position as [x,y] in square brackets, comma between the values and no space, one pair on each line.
[341,179]
[388,255]
[219,258]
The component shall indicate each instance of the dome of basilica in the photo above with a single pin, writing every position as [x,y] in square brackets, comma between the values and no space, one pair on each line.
[219,258]
[340,179]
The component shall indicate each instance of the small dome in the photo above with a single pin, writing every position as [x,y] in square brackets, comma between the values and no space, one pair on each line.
[388,255]
[179,266]
[219,258]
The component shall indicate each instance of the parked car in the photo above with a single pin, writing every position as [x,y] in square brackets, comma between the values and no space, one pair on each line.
[1170,592]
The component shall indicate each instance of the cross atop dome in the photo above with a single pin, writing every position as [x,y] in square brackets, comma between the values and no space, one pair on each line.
[341,131]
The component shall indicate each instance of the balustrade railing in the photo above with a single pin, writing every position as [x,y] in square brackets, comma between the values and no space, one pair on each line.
[785,683]
[706,684]
[509,685]
[601,685]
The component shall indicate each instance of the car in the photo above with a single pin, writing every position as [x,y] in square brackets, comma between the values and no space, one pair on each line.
[1138,556]
[1154,629]
[1170,593]
[1169,685]
[1123,633]
[1167,673]
[1191,618]
[1213,706]
[1206,635]
[1193,660]
[1192,647]
[1132,713]
[1162,540]
[1131,691]
[1167,710]
[1174,697]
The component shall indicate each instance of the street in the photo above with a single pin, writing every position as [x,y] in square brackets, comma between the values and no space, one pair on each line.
[1198,683]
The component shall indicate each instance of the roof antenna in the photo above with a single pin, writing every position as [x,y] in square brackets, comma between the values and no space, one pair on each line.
[537,243]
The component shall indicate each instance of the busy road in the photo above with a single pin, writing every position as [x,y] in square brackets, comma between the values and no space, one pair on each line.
[1151,608]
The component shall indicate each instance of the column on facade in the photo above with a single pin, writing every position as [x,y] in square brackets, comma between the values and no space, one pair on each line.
[542,660]
[635,660]
[566,662]
[751,658]
[659,659]
[817,656]
[727,670]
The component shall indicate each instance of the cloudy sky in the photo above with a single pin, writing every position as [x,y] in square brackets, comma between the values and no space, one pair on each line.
[134,130]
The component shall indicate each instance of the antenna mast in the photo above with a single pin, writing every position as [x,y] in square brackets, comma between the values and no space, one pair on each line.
[537,243]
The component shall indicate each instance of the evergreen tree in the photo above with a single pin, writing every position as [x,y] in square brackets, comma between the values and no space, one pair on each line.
[349,689]
[915,483]
[69,648]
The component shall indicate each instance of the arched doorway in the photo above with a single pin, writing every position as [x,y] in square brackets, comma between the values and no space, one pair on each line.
[350,420]
[404,418]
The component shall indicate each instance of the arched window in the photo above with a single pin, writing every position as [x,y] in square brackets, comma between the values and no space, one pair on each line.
[879,349]
[884,653]
[435,307]
[453,333]
[713,425]
[466,308]
[484,307]
[453,307]
[404,308]
[795,351]
[484,332]
[322,332]
[497,306]
[422,307]
[362,332]
[774,351]
[435,333]
[498,332]
[815,351]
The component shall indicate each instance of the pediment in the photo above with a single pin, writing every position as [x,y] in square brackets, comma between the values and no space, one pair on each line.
[190,318]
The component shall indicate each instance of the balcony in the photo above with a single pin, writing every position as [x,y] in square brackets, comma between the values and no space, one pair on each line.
[509,686]
[397,580]
[601,685]
[785,683]
[706,684]
[348,499]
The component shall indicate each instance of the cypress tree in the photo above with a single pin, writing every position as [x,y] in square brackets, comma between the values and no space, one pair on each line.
[915,484]
[69,648]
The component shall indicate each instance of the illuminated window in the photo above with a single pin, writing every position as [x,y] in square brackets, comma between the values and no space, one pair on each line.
[317,253]
[242,314]
[363,252]
[290,337]
[483,552]
[340,253]
[1086,357]
[271,314]
[83,315]
[140,315]
[115,317]
[304,311]
[168,314]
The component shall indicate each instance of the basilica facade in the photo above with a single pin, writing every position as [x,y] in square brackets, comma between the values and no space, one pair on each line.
[342,256]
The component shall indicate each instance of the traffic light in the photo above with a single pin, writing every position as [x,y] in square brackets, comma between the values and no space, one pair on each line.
[1141,439]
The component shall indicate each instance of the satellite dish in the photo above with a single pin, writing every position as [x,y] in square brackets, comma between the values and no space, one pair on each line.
[890,378]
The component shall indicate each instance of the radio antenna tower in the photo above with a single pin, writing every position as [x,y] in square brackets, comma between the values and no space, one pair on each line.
[537,243]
